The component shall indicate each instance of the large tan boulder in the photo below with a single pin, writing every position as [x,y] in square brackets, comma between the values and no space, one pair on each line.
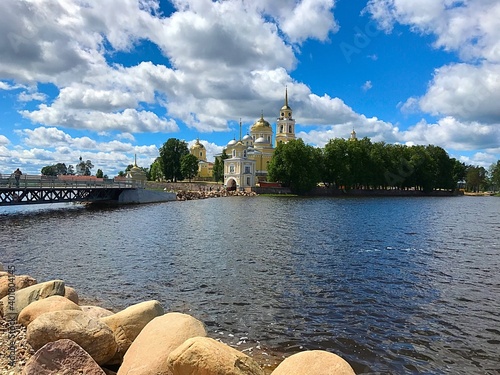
[62,357]
[206,356]
[14,303]
[314,362]
[96,312]
[37,308]
[71,294]
[16,282]
[128,323]
[95,337]
[149,352]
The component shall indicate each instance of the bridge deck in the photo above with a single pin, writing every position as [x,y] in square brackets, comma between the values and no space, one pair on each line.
[47,189]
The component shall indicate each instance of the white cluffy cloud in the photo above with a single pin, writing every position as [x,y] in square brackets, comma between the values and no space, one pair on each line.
[469,27]
[463,95]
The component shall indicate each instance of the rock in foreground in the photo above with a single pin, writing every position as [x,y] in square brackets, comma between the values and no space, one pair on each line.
[24,297]
[95,337]
[206,356]
[62,357]
[127,324]
[314,362]
[149,352]
[37,308]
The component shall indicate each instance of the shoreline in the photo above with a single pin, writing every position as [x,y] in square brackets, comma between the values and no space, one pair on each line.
[14,342]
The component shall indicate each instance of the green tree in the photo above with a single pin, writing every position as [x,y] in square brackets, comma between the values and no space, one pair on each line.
[495,175]
[189,166]
[335,163]
[55,170]
[84,168]
[171,153]
[49,170]
[475,178]
[156,170]
[218,169]
[459,171]
[294,164]
[99,173]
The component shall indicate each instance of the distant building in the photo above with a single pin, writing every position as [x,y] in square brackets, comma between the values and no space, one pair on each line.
[249,157]
[136,174]
[205,168]
[353,136]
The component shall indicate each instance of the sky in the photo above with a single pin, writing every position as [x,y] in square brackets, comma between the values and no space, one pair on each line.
[109,79]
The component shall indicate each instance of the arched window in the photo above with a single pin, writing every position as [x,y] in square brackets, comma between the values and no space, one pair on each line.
[234,153]
[244,153]
[290,129]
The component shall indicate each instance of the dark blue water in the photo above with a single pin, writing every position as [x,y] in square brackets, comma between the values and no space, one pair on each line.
[393,285]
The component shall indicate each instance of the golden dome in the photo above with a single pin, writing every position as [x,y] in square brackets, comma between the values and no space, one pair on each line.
[197,145]
[260,123]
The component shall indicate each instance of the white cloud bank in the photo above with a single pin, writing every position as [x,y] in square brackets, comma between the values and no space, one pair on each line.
[222,60]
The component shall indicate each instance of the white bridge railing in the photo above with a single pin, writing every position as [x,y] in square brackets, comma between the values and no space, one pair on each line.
[36,181]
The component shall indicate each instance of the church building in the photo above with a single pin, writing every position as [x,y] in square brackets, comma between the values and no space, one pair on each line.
[205,168]
[249,157]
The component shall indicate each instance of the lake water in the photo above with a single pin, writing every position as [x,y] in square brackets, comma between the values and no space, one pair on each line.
[393,285]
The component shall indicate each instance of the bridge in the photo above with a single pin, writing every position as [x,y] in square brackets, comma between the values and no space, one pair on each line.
[30,189]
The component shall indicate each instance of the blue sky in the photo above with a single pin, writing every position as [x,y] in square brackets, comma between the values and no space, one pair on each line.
[109,79]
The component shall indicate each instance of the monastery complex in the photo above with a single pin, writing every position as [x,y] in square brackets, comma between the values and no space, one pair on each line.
[249,156]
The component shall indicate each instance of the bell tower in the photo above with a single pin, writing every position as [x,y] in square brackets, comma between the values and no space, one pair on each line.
[285,125]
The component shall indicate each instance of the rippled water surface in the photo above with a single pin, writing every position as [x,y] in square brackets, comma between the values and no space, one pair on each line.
[394,286]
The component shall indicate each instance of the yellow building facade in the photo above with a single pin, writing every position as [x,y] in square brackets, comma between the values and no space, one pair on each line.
[205,168]
[254,151]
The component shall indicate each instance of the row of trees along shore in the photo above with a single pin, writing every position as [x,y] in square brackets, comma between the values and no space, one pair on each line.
[361,164]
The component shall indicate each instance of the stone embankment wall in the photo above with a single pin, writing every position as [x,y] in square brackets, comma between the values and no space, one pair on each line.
[191,195]
[145,196]
[49,331]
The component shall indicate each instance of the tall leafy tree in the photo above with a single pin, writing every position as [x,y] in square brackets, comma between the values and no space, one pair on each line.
[495,175]
[156,170]
[84,168]
[99,173]
[476,178]
[294,165]
[55,170]
[218,169]
[336,166]
[189,166]
[171,153]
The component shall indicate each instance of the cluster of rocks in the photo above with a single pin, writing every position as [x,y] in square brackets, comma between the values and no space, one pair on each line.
[143,339]
[191,195]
